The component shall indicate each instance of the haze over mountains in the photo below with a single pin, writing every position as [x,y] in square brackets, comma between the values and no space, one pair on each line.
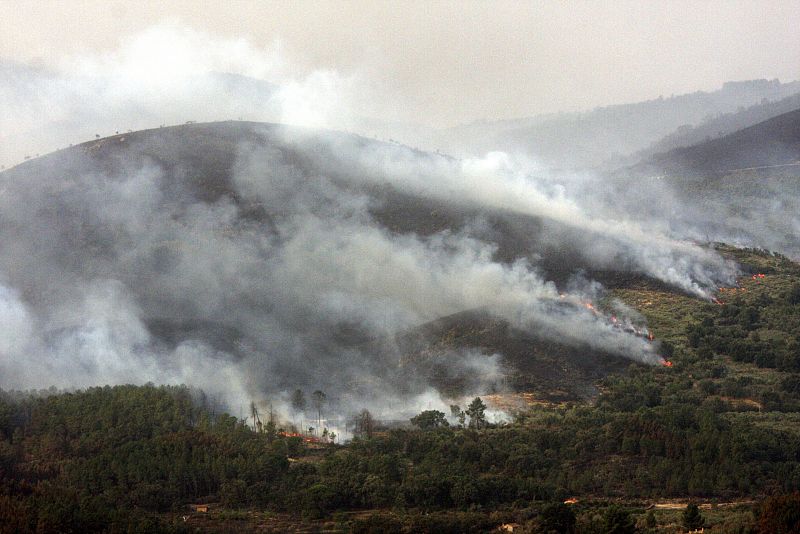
[46,109]
[741,188]
[608,135]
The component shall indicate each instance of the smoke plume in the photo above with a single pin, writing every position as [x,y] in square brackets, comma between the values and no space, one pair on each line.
[296,263]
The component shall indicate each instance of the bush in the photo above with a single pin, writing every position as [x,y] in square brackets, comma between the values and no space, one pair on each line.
[233,493]
[557,518]
[780,514]
[692,519]
[618,521]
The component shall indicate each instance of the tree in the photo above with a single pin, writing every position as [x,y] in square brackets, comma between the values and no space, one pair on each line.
[617,521]
[232,493]
[692,518]
[650,520]
[318,398]
[364,424]
[557,518]
[271,431]
[780,514]
[476,412]
[298,402]
[793,296]
[429,419]
[257,426]
[455,411]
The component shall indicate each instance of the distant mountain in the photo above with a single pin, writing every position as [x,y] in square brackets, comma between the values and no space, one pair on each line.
[608,135]
[724,124]
[772,142]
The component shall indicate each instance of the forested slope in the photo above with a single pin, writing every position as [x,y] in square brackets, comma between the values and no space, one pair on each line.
[722,423]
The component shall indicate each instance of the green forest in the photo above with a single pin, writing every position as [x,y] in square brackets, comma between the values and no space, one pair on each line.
[721,426]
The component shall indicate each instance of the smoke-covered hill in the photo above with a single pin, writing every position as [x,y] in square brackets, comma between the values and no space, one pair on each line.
[254,258]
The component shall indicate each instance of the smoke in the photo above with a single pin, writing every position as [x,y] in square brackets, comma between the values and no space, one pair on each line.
[497,182]
[128,274]
[296,263]
[747,209]
[168,74]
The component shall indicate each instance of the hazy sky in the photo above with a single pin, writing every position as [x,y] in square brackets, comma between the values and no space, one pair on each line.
[447,62]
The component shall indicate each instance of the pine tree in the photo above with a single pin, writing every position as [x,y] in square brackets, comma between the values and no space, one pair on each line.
[650,520]
[455,411]
[618,521]
[692,518]
[476,412]
[298,403]
[319,398]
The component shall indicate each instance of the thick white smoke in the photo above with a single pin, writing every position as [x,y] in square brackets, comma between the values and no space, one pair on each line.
[120,271]
[104,259]
[496,182]
[168,74]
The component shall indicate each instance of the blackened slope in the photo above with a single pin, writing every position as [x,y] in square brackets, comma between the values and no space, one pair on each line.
[528,362]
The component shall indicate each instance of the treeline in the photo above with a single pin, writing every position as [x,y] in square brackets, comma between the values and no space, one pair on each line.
[79,462]
[120,456]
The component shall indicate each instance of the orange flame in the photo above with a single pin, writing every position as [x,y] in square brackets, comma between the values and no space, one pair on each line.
[666,363]
[307,439]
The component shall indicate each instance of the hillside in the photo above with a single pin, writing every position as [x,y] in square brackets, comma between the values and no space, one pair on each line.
[773,142]
[532,368]
[175,223]
[723,124]
[742,188]
[560,417]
